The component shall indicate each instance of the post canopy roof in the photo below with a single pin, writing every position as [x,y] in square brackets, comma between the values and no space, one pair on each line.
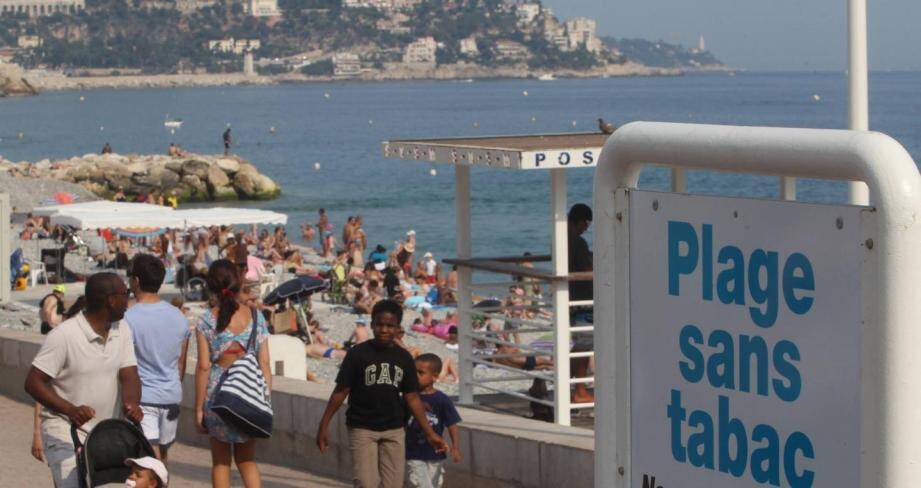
[539,151]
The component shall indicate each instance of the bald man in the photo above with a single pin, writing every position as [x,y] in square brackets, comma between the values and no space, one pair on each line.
[80,369]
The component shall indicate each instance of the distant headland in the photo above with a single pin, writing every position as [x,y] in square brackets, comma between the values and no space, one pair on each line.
[156,43]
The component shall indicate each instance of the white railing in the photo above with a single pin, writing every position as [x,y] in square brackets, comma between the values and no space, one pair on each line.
[486,375]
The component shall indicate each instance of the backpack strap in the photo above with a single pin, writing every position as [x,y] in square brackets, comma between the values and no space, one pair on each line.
[252,335]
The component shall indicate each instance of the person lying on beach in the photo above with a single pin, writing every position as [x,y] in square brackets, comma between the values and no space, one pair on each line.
[448,367]
[527,363]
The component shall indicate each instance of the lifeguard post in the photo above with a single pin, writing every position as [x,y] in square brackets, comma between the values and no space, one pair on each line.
[555,153]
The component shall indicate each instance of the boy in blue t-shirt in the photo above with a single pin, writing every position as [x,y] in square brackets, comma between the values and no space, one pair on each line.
[424,466]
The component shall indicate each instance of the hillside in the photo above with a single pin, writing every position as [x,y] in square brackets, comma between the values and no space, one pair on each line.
[155,36]
[661,54]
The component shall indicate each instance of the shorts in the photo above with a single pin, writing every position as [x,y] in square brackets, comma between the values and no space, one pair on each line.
[530,363]
[157,425]
[424,474]
[582,341]
[62,461]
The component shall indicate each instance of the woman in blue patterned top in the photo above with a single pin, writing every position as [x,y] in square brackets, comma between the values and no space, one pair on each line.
[223,333]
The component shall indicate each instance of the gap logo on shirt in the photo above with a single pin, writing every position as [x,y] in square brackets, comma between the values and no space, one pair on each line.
[383,374]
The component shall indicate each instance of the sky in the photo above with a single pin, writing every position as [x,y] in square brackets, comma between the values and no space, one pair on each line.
[797,35]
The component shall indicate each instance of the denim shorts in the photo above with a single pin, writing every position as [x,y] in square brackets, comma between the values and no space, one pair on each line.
[580,317]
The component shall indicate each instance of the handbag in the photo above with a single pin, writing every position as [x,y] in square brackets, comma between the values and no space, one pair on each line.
[240,398]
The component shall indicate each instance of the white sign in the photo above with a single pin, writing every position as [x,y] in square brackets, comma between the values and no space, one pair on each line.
[744,342]
[576,158]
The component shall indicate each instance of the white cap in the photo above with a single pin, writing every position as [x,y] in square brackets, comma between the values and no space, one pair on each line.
[152,464]
[428,255]
[411,232]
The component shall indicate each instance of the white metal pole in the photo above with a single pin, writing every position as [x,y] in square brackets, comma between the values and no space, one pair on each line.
[679,180]
[560,291]
[5,231]
[858,91]
[787,188]
[464,281]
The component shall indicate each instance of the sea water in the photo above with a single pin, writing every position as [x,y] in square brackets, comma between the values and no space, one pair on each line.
[341,127]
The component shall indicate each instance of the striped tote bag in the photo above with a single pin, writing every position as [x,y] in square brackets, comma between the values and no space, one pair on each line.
[241,397]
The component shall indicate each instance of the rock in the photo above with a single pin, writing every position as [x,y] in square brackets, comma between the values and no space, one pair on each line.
[222,193]
[194,187]
[248,168]
[12,82]
[96,188]
[227,165]
[158,178]
[198,178]
[135,167]
[217,178]
[174,166]
[245,183]
[266,189]
[195,167]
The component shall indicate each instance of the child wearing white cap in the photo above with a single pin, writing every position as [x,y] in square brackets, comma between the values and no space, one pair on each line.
[147,472]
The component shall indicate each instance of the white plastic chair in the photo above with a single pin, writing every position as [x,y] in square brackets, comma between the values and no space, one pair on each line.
[36,269]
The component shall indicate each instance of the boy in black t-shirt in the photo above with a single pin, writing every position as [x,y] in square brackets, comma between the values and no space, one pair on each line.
[424,466]
[372,377]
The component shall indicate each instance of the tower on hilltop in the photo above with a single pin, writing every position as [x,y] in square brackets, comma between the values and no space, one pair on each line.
[701,44]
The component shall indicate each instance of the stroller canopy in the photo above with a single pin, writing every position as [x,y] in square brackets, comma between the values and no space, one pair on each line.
[106,448]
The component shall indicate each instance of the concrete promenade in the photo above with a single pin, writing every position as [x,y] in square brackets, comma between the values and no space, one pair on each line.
[189,466]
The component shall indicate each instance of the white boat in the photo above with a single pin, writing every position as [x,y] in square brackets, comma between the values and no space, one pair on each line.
[546,77]
[172,124]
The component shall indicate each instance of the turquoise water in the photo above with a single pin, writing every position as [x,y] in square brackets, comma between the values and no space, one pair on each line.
[343,133]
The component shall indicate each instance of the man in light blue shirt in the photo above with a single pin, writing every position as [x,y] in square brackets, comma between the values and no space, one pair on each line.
[161,343]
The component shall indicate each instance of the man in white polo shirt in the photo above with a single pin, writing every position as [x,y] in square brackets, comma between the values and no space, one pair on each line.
[79,370]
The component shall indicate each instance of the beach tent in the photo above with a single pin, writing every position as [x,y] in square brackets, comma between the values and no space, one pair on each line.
[118,215]
[165,218]
[204,217]
[99,206]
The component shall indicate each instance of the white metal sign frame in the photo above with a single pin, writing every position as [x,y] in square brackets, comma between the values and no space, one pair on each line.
[890,386]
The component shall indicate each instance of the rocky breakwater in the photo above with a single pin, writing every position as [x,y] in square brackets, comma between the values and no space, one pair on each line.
[13,83]
[193,178]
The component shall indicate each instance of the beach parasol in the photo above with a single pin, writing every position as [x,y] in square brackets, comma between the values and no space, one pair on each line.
[296,290]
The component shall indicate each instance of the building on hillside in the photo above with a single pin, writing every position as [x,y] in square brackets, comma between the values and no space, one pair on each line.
[394,24]
[262,8]
[346,65]
[527,12]
[382,4]
[421,52]
[469,48]
[405,4]
[189,6]
[236,46]
[37,8]
[511,50]
[29,42]
[580,32]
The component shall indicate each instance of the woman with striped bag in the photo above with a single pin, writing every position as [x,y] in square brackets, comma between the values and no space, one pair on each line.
[232,352]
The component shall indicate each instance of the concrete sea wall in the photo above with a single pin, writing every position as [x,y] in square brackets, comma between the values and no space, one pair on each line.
[498,451]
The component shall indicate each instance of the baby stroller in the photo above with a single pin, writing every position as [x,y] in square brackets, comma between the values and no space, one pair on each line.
[101,458]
